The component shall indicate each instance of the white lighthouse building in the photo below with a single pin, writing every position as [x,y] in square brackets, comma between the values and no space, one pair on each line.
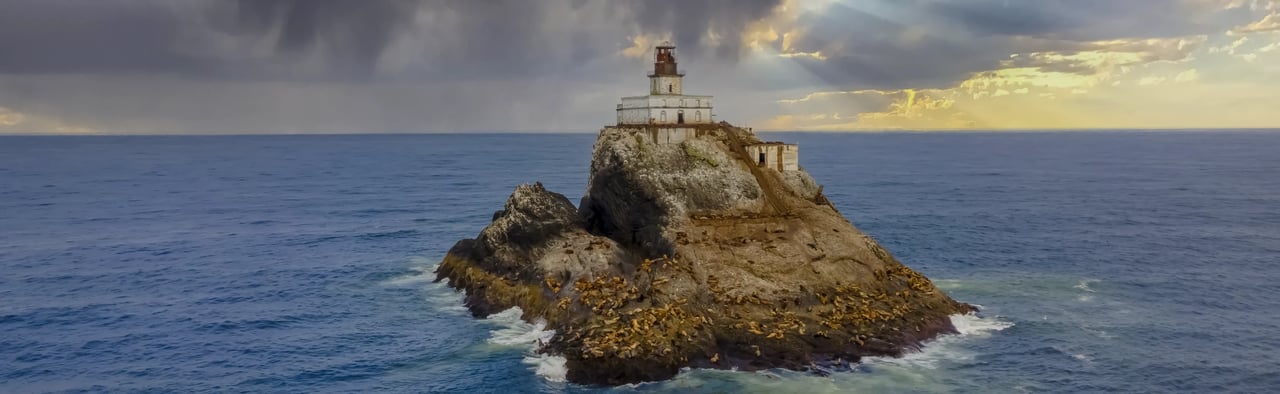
[666,104]
[668,116]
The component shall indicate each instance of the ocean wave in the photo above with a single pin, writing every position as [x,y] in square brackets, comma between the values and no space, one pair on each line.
[512,331]
[516,332]
[421,270]
[549,367]
[973,325]
[947,348]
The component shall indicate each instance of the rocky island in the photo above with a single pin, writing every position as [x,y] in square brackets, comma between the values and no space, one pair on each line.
[696,244]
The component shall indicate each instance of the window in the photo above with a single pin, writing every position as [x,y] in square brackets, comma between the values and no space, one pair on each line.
[697,116]
[663,117]
[669,90]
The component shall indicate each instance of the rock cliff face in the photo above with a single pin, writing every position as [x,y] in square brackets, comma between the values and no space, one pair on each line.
[688,255]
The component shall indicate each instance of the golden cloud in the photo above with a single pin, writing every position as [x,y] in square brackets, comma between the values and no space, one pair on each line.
[12,120]
[812,55]
[10,117]
[1269,23]
[640,46]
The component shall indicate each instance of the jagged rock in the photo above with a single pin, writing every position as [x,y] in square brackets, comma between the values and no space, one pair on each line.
[637,188]
[688,254]
[538,232]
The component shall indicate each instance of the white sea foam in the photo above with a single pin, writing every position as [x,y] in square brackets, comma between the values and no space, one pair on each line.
[445,299]
[437,294]
[1084,285]
[547,366]
[947,348]
[972,325]
[1082,358]
[511,332]
[421,270]
[415,277]
[515,332]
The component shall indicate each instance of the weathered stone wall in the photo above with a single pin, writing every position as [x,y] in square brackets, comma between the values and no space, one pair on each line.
[790,157]
[665,109]
[780,157]
[666,84]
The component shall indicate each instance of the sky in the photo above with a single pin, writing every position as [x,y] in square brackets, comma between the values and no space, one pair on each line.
[395,66]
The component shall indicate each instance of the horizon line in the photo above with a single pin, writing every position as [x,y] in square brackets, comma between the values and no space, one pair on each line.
[549,132]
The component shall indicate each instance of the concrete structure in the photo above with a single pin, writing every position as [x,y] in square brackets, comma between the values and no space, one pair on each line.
[668,116]
[666,103]
[776,155]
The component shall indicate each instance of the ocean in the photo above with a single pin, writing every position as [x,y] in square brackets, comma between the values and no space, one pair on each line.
[1123,261]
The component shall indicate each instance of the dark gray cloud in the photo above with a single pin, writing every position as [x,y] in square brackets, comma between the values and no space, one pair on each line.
[355,27]
[404,65]
[89,36]
[353,33]
[1003,17]
[869,48]
[1080,20]
[328,39]
[890,44]
[333,65]
[689,21]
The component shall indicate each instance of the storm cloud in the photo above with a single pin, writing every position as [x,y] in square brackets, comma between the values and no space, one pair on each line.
[338,38]
[453,65]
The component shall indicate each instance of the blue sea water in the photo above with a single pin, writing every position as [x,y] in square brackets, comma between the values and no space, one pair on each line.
[1104,261]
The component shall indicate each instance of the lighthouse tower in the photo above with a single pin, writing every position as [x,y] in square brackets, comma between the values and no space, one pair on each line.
[666,104]
[666,75]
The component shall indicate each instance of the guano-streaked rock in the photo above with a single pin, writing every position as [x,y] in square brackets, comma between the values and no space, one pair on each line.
[690,255]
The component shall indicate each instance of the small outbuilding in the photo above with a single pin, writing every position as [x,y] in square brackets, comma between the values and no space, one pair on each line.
[776,155]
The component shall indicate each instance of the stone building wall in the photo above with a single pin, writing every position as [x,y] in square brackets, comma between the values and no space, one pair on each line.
[666,84]
[776,155]
[665,110]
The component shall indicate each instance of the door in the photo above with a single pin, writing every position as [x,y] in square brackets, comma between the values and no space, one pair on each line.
[680,117]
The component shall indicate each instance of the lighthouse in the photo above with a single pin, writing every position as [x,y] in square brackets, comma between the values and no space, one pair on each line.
[666,105]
